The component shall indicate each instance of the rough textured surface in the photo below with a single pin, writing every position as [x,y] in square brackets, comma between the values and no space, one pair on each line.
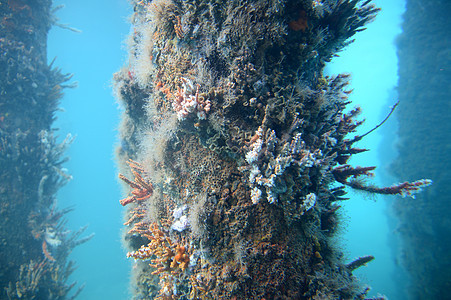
[34,243]
[424,146]
[235,135]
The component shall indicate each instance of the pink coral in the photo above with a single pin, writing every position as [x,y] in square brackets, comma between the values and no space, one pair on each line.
[187,101]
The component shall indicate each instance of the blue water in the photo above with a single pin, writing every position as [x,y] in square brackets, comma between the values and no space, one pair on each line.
[372,61]
[92,114]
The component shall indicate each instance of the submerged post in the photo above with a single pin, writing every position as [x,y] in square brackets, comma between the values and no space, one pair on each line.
[231,138]
[34,241]
[424,146]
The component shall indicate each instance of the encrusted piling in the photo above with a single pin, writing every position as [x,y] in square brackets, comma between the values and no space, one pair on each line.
[34,241]
[424,146]
[236,139]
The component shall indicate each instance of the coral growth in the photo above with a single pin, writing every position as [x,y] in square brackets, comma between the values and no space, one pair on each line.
[187,101]
[142,189]
[170,258]
[343,172]
[267,167]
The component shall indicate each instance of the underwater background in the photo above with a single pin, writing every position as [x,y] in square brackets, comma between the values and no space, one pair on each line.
[92,115]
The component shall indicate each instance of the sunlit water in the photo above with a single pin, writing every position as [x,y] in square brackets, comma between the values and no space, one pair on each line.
[372,61]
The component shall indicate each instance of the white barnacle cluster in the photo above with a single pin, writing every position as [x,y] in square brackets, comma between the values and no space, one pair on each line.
[268,163]
[51,237]
[309,159]
[50,149]
[181,221]
[255,147]
[187,101]
[252,159]
[308,203]
[256,195]
[320,8]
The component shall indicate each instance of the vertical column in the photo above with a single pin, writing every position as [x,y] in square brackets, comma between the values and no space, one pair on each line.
[34,242]
[231,140]
[424,145]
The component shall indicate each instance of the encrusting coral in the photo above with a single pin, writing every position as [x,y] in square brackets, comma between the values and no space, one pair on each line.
[187,101]
[169,257]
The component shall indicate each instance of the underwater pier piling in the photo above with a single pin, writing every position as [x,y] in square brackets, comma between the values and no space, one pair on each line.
[34,241]
[234,149]
[424,146]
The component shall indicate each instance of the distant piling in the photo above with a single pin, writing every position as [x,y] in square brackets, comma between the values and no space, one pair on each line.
[424,146]
[34,241]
